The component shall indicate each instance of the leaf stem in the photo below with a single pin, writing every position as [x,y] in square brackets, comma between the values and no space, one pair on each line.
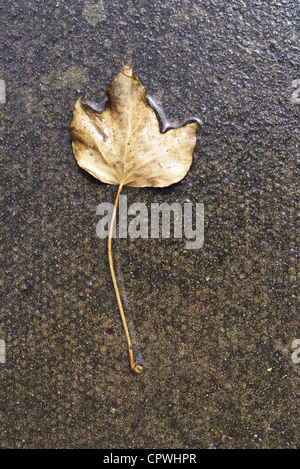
[136,368]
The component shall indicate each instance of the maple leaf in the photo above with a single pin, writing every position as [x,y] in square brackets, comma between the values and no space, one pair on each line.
[123,145]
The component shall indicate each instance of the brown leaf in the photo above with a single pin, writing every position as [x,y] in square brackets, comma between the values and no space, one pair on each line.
[123,144]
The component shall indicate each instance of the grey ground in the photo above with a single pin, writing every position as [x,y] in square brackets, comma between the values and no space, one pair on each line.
[215,325]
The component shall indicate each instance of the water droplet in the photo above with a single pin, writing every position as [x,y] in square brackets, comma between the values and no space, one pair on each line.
[165,122]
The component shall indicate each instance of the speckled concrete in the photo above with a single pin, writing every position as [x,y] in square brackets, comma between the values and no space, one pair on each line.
[216,325]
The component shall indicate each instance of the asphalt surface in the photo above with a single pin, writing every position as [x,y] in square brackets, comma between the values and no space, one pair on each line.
[217,326]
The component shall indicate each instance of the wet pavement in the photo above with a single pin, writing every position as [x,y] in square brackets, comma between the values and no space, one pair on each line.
[217,326]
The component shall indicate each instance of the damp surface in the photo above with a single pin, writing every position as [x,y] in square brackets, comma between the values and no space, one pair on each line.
[216,326]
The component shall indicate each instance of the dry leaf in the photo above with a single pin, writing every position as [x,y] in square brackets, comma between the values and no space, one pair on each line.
[123,145]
